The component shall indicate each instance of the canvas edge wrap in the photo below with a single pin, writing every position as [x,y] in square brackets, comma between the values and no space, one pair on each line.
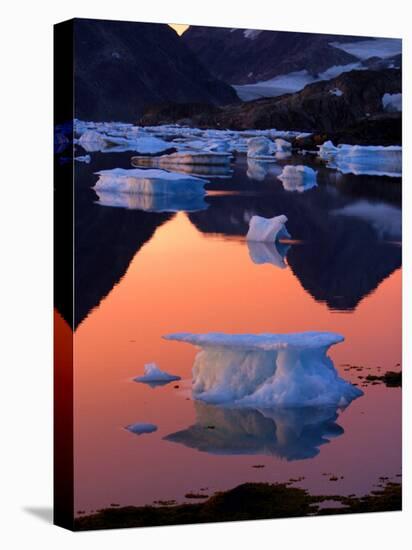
[63,64]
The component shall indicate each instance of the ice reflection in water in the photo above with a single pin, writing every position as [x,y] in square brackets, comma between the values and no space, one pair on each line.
[291,434]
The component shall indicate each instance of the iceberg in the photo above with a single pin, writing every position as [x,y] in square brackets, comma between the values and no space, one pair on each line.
[267,370]
[93,141]
[267,229]
[153,375]
[290,434]
[372,160]
[327,150]
[152,203]
[260,148]
[268,253]
[150,182]
[298,178]
[282,146]
[141,428]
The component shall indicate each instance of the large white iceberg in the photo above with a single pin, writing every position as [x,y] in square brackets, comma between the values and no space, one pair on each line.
[298,178]
[150,182]
[153,375]
[267,229]
[372,160]
[267,370]
[288,433]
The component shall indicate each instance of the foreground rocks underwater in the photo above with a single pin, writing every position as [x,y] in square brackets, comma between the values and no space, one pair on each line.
[245,502]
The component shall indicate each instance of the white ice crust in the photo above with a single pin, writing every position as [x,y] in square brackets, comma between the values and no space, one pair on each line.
[152,373]
[150,182]
[267,370]
[298,178]
[267,229]
[373,160]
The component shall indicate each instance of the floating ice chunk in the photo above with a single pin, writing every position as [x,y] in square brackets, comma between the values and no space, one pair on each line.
[327,150]
[260,148]
[373,160]
[92,141]
[153,375]
[267,370]
[385,219]
[289,433]
[83,158]
[150,182]
[141,428]
[282,146]
[298,178]
[392,102]
[267,229]
[268,253]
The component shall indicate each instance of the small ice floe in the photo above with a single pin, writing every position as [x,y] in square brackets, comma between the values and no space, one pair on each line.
[152,203]
[327,150]
[268,253]
[392,103]
[267,370]
[260,148]
[93,141]
[372,160]
[141,428]
[154,376]
[298,178]
[267,229]
[282,145]
[83,158]
[287,433]
[148,182]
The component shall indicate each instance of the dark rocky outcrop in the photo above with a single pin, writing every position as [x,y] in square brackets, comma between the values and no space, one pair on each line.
[122,66]
[356,112]
[239,56]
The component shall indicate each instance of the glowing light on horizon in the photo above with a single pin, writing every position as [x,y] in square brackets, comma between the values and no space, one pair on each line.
[180,29]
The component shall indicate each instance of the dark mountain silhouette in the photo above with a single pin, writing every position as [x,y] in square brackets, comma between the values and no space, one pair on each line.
[121,66]
[341,259]
[242,56]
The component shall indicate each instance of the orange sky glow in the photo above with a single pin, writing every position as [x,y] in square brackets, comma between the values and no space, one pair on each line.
[180,29]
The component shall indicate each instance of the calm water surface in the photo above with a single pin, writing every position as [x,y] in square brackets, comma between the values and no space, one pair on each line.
[142,275]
